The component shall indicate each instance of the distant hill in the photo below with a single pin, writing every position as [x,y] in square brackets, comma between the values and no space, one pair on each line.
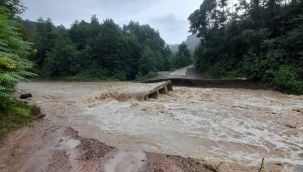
[192,42]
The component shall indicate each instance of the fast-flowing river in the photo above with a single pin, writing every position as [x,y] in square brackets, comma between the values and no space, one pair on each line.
[226,124]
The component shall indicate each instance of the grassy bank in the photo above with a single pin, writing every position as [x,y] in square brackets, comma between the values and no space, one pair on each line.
[17,115]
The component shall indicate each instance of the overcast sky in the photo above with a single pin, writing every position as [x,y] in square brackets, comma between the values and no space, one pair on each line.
[167,16]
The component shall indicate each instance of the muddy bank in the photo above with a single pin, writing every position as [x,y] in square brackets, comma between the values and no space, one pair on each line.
[44,147]
[234,126]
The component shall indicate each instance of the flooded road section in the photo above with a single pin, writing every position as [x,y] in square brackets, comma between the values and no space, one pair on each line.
[215,124]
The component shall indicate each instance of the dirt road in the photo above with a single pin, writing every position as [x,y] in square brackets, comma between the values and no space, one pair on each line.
[235,126]
[187,72]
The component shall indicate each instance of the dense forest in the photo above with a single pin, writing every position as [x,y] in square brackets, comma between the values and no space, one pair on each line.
[100,50]
[182,57]
[97,50]
[103,50]
[259,39]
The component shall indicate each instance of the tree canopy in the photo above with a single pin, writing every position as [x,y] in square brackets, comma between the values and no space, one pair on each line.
[13,53]
[98,50]
[182,58]
[260,39]
[14,6]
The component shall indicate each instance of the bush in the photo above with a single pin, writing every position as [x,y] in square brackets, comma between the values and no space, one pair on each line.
[16,115]
[286,78]
[13,49]
[13,68]
[146,77]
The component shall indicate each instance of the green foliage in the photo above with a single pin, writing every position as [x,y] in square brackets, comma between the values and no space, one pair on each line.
[147,62]
[257,40]
[15,6]
[62,59]
[154,52]
[13,49]
[286,78]
[13,68]
[16,115]
[182,57]
[98,50]
[150,75]
[29,30]
[46,36]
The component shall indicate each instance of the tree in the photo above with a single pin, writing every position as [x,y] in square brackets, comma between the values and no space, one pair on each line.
[15,6]
[99,50]
[115,52]
[260,40]
[13,52]
[150,40]
[183,57]
[62,60]
[44,42]
[78,34]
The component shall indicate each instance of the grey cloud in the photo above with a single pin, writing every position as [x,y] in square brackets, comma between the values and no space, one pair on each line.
[171,26]
[132,6]
[168,21]
[171,21]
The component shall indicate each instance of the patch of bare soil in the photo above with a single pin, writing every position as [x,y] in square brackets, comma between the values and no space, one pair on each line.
[91,154]
[167,163]
[172,163]
[45,147]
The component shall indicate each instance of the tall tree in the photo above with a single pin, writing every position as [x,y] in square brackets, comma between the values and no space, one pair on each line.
[15,6]
[13,52]
[183,57]
[44,41]
[99,50]
[150,40]
[62,60]
[258,40]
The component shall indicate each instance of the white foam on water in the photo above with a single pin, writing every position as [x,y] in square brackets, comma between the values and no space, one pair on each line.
[229,124]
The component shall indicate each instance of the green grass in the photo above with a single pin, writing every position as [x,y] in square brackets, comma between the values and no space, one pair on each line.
[17,115]
[234,74]
[150,75]
[237,73]
[208,75]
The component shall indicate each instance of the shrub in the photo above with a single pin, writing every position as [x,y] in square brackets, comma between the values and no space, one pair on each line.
[286,78]
[17,114]
[13,65]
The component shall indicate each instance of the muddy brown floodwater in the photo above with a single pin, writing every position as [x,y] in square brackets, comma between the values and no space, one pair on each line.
[217,125]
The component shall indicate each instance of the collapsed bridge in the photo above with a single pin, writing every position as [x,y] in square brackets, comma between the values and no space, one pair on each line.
[157,89]
[142,91]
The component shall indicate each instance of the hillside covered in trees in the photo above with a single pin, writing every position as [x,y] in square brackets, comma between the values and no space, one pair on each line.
[258,39]
[96,49]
